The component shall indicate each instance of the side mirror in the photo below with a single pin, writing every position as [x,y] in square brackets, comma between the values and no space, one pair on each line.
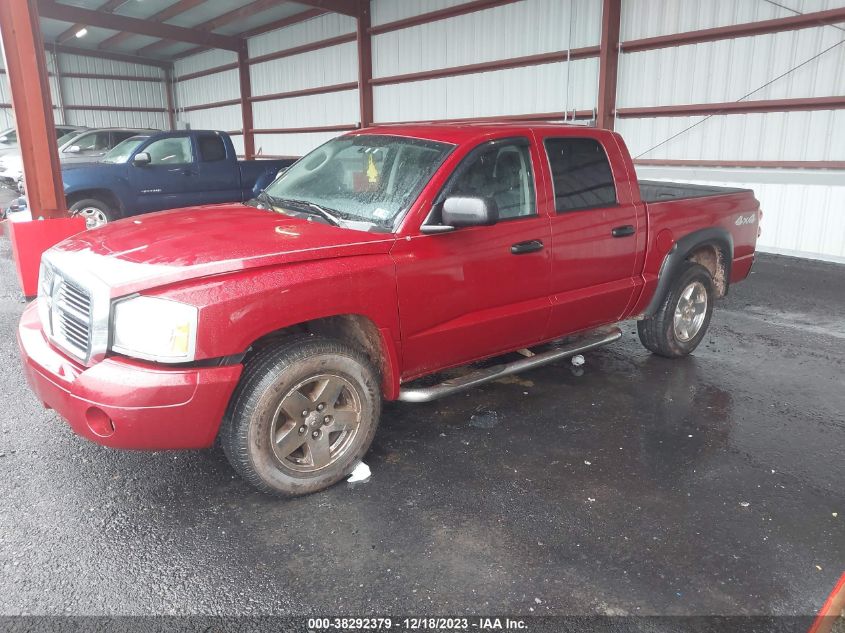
[465,211]
[73,149]
[141,159]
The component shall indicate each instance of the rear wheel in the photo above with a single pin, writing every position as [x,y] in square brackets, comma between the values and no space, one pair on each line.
[303,416]
[96,212]
[681,322]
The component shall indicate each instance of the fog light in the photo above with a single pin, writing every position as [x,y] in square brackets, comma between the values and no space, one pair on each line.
[99,422]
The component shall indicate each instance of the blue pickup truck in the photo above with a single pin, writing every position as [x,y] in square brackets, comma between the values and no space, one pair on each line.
[164,170]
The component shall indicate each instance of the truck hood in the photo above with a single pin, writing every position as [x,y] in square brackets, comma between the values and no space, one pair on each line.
[76,163]
[171,246]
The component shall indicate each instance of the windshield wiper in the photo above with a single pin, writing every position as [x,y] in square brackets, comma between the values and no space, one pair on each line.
[266,199]
[313,209]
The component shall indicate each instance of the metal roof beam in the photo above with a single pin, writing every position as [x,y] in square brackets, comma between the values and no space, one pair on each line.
[76,15]
[118,57]
[71,32]
[162,16]
[344,7]
[241,13]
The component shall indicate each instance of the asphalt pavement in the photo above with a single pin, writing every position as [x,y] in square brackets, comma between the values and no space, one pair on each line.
[631,485]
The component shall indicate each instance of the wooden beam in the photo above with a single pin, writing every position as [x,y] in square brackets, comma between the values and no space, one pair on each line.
[608,62]
[162,16]
[235,15]
[66,13]
[70,33]
[23,47]
[344,7]
[365,63]
[246,104]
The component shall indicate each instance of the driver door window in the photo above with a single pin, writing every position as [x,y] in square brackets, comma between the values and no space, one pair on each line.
[501,172]
[170,151]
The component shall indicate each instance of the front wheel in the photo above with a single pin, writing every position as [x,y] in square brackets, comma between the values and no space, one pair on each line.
[303,416]
[96,212]
[681,322]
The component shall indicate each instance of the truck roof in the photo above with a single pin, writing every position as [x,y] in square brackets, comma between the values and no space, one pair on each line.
[461,132]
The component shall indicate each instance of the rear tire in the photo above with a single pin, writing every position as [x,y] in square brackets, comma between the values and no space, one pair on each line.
[681,321]
[96,212]
[304,414]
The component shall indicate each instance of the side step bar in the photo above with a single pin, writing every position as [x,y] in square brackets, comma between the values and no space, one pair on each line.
[462,383]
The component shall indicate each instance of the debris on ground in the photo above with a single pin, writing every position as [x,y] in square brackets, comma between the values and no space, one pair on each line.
[360,473]
[484,419]
[744,504]
[578,360]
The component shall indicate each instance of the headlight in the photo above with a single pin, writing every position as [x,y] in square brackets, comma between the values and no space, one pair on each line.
[155,329]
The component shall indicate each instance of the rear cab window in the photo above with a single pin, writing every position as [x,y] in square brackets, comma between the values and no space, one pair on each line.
[581,174]
[211,148]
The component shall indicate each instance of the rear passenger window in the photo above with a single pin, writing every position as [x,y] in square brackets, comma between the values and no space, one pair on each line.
[580,173]
[211,148]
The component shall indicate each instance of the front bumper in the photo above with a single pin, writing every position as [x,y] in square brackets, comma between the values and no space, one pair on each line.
[123,403]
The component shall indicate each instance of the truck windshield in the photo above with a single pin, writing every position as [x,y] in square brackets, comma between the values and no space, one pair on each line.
[369,177]
[121,152]
[67,137]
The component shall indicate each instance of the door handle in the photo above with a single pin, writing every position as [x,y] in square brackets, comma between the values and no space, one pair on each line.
[531,246]
[623,231]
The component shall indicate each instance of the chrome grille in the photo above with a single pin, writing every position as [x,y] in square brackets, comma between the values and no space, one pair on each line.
[71,317]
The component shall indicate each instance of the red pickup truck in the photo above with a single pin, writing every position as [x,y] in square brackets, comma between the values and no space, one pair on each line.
[277,327]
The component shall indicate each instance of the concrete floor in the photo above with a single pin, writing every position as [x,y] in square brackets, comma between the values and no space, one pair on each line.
[643,486]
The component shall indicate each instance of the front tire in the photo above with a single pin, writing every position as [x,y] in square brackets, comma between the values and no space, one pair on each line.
[681,322]
[303,416]
[96,212]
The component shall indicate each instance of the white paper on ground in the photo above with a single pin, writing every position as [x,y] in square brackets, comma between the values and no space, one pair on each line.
[361,473]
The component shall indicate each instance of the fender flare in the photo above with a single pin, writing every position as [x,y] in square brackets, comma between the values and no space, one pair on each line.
[678,254]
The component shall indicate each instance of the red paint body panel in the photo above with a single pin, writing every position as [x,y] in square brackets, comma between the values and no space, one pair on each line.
[151,408]
[436,300]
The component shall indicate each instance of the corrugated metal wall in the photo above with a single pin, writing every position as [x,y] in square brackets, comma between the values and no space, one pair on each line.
[325,67]
[802,216]
[81,93]
[221,86]
[6,117]
[803,211]
[702,73]
[513,30]
[77,94]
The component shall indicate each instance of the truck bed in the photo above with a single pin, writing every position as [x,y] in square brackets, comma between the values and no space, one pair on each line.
[659,191]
